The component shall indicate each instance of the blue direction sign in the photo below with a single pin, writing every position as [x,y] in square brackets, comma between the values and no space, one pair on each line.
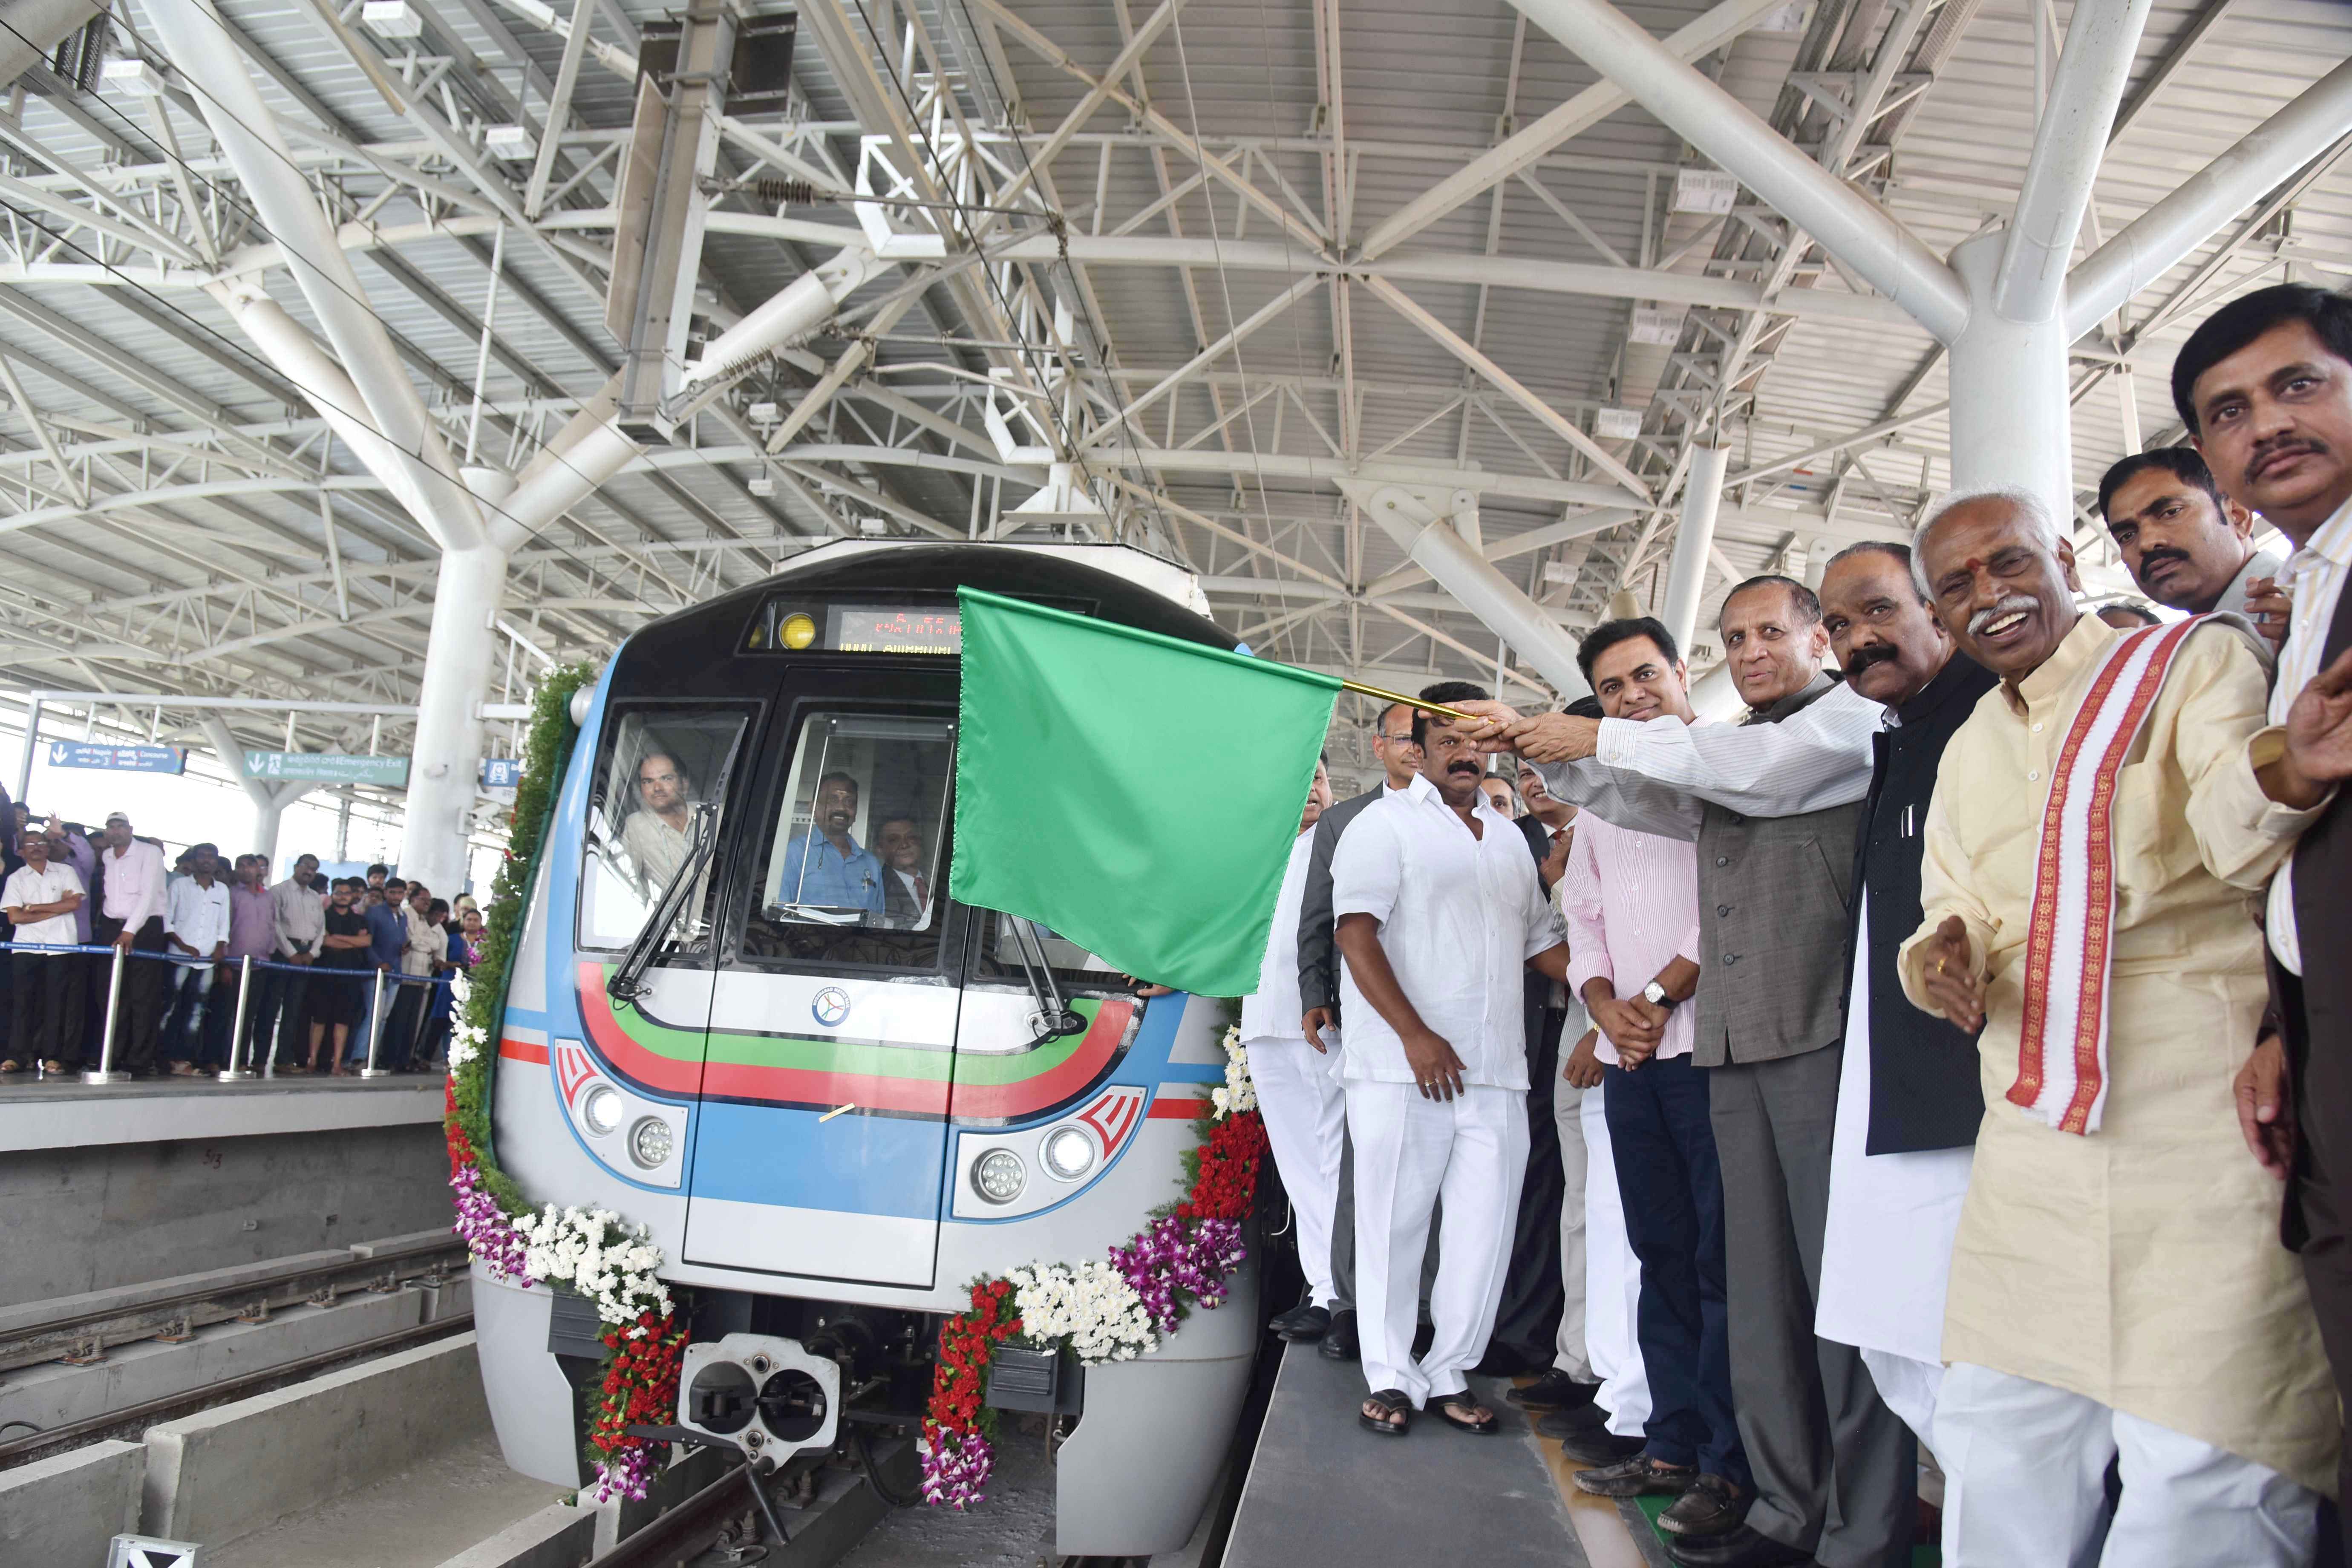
[121,759]
[501,772]
[326,767]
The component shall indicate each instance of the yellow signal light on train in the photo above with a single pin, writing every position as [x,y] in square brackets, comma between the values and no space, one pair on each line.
[797,632]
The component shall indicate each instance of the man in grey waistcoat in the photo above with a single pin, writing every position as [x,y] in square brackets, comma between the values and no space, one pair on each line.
[1835,1471]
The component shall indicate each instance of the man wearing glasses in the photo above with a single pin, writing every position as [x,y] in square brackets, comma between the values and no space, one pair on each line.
[1319,996]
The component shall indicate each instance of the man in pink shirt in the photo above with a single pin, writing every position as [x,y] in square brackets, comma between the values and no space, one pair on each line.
[1631,900]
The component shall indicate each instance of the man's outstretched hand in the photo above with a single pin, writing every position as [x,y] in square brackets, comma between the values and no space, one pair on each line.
[1537,737]
[1950,981]
[1495,719]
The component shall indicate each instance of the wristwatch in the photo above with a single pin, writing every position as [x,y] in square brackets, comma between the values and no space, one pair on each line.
[1655,996]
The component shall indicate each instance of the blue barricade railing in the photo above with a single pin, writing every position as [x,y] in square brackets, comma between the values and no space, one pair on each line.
[378,979]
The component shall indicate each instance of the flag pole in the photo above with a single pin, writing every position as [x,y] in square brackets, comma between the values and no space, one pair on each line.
[1438,707]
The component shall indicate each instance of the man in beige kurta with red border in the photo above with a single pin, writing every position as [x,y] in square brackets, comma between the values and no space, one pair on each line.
[2115,1293]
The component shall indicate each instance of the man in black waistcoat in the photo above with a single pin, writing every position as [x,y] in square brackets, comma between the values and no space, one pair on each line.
[1909,1101]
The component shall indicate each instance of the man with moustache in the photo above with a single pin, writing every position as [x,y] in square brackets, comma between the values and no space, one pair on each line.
[2188,545]
[1909,1105]
[2098,825]
[1297,1094]
[1834,1470]
[1439,913]
[825,865]
[2265,386]
[1319,995]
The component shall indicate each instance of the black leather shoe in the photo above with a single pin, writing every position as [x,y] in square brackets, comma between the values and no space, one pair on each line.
[1743,1548]
[1555,1390]
[1338,1340]
[1637,1475]
[1301,1325]
[1712,1508]
[1588,1443]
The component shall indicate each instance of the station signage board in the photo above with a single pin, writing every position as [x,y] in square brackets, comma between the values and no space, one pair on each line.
[327,767]
[121,759]
[501,772]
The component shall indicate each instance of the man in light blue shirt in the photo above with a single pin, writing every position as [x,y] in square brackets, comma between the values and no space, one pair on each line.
[826,866]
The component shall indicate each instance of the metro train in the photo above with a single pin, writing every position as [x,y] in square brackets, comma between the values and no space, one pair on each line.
[746,1012]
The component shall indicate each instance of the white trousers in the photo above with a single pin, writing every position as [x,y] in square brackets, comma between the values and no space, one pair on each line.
[1613,1281]
[1305,1115]
[2024,1471]
[1572,1355]
[1473,1151]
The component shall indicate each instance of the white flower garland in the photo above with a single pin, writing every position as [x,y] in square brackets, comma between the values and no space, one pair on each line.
[1238,1094]
[467,1041]
[593,1253]
[1091,1305]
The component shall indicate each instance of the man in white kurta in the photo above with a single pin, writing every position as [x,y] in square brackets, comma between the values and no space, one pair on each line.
[1439,915]
[1297,1088]
[2116,1290]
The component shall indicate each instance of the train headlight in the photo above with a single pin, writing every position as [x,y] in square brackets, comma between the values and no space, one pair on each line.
[999,1176]
[650,1143]
[602,1109]
[797,632]
[1067,1152]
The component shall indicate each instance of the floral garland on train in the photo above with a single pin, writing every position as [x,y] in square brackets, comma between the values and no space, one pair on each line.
[1103,1309]
[592,1252]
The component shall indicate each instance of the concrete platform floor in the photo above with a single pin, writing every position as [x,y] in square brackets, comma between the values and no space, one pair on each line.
[1324,1490]
[415,1518]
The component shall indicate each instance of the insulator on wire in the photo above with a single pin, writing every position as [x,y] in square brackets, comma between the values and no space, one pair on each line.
[790,193]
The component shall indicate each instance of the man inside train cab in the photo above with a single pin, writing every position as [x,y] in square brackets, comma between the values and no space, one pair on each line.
[655,833]
[823,865]
[905,881]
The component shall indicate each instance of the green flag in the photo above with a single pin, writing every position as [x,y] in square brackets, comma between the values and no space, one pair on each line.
[1135,793]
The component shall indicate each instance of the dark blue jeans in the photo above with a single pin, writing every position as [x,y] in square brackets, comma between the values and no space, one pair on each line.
[1663,1142]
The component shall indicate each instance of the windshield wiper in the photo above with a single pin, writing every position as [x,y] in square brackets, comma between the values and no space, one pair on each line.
[628,981]
[1053,1019]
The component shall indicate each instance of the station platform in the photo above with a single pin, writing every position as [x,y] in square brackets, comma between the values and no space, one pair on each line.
[58,1113]
[1322,1490]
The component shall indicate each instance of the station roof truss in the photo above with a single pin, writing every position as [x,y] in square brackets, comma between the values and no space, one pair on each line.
[1165,272]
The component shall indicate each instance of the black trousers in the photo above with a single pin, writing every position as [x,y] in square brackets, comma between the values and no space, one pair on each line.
[276,1020]
[141,1017]
[401,1025]
[1526,1326]
[45,1012]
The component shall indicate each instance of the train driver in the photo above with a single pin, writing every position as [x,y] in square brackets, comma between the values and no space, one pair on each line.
[822,864]
[655,833]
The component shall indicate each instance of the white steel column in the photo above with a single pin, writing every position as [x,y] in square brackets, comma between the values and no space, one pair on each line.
[1423,522]
[460,652]
[1686,576]
[2011,420]
[270,801]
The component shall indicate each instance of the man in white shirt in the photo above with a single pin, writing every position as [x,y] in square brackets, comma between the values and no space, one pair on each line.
[39,899]
[131,918]
[2266,386]
[1297,1094]
[1439,914]
[196,928]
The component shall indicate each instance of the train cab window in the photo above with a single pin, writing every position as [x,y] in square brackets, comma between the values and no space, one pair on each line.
[853,871]
[656,806]
[999,956]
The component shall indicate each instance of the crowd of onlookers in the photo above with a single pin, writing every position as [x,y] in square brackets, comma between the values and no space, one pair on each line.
[192,931]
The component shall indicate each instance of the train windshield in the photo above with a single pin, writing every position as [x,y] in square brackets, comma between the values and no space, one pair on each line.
[862,823]
[665,768]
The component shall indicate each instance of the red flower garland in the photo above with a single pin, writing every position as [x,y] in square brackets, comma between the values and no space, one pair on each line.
[967,1342]
[1226,1183]
[1223,1171]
